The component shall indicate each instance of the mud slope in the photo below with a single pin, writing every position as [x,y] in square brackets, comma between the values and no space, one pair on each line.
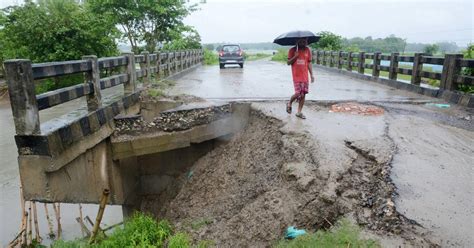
[246,192]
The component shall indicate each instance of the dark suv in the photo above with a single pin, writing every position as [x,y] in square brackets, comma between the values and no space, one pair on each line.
[231,54]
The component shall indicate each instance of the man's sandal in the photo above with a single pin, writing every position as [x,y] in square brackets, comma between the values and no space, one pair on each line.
[288,108]
[300,115]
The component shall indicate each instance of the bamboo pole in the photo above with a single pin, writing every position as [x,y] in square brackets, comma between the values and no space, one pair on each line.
[23,217]
[17,239]
[81,222]
[89,221]
[83,227]
[57,211]
[50,223]
[112,226]
[30,225]
[98,219]
[35,219]
[25,228]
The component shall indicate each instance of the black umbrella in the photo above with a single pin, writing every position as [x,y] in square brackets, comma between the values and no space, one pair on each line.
[290,38]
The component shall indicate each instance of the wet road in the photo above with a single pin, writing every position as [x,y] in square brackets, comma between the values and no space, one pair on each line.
[265,79]
[432,167]
[440,200]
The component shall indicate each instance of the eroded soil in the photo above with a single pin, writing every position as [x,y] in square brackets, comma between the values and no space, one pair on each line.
[246,192]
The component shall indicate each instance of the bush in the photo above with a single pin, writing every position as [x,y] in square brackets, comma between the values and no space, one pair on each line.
[179,240]
[210,58]
[139,231]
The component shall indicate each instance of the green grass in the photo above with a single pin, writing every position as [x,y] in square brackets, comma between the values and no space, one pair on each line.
[179,240]
[139,231]
[256,56]
[157,89]
[210,57]
[281,56]
[343,234]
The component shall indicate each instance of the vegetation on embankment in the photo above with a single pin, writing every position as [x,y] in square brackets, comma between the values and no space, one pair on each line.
[144,231]
[139,231]
[343,234]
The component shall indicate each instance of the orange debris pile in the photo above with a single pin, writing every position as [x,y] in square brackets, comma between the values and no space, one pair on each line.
[357,108]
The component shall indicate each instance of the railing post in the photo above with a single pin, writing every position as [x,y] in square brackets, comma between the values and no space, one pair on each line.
[157,64]
[361,62]
[417,67]
[21,88]
[175,64]
[349,61]
[340,60]
[169,62]
[146,66]
[323,59]
[316,56]
[450,70]
[186,58]
[331,59]
[393,70]
[94,99]
[376,64]
[130,85]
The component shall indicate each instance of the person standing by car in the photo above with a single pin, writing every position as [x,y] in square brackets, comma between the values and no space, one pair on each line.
[299,57]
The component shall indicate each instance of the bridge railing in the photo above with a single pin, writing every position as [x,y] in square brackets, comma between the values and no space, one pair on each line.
[450,77]
[22,77]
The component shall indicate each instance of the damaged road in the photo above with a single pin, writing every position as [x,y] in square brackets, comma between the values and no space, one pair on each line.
[283,171]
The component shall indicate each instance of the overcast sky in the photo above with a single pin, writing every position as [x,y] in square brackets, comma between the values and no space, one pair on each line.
[262,20]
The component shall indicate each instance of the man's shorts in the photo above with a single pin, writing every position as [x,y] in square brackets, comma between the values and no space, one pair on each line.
[301,88]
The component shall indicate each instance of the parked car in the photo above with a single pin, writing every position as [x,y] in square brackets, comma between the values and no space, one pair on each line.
[231,54]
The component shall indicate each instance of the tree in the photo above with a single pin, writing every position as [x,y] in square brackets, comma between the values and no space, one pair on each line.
[55,30]
[185,37]
[431,49]
[328,41]
[209,47]
[145,21]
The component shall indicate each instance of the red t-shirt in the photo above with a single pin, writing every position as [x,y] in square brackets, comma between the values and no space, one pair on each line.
[299,69]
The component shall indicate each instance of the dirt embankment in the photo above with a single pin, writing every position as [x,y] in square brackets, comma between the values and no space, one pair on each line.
[246,192]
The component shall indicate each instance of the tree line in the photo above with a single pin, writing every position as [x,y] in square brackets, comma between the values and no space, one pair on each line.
[334,42]
[59,30]
[48,30]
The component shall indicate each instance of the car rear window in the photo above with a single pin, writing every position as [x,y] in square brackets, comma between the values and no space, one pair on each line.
[231,48]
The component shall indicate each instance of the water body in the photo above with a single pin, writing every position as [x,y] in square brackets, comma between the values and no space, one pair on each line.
[10,210]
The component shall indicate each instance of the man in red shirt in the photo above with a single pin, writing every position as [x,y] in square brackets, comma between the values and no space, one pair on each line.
[299,57]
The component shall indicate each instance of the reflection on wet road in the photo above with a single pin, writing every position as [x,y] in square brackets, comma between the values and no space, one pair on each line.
[265,79]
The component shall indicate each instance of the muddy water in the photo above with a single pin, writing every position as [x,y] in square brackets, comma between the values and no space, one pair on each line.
[10,212]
